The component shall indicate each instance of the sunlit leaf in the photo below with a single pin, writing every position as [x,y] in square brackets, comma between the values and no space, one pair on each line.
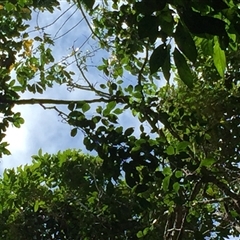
[27,44]
[176,187]
[170,150]
[207,162]
[165,183]
[85,107]
[219,58]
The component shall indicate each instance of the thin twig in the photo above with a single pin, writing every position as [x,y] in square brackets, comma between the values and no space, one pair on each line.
[89,25]
[65,22]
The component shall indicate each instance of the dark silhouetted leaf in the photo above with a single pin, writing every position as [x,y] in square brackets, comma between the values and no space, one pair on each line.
[129,131]
[184,71]
[158,58]
[159,174]
[166,67]
[218,5]
[141,188]
[185,42]
[147,7]
[130,180]
[74,132]
[148,27]
[143,202]
[198,24]
[71,106]
[88,3]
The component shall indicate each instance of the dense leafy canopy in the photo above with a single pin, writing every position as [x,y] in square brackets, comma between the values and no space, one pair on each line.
[176,171]
[67,198]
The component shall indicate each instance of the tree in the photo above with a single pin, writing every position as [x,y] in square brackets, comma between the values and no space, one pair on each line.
[66,196]
[183,165]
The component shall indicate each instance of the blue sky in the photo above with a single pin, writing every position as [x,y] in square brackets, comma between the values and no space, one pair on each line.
[44,128]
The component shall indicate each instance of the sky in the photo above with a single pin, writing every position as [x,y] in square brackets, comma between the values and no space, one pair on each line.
[44,128]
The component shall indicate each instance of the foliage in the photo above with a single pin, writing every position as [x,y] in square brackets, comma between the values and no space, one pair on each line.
[66,196]
[180,161]
[17,59]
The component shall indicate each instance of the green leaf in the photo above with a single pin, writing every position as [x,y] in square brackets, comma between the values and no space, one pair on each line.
[219,58]
[129,131]
[184,71]
[36,206]
[165,183]
[9,6]
[103,86]
[110,106]
[39,89]
[167,171]
[71,106]
[74,132]
[85,107]
[166,68]
[207,162]
[113,86]
[199,24]
[176,187]
[146,230]
[181,146]
[88,144]
[99,109]
[40,152]
[185,42]
[18,88]
[118,111]
[129,89]
[210,191]
[170,150]
[158,58]
[140,234]
[178,174]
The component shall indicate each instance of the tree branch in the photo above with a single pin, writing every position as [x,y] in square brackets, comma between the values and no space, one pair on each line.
[32,101]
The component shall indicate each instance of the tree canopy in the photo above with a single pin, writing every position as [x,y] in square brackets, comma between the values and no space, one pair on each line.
[173,175]
[67,198]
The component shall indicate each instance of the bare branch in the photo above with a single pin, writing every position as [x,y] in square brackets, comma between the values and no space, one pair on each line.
[41,101]
[89,87]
